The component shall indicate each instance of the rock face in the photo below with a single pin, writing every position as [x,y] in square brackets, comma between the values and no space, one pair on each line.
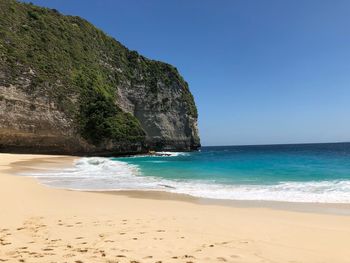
[67,88]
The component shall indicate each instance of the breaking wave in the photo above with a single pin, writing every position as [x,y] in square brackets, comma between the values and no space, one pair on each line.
[104,174]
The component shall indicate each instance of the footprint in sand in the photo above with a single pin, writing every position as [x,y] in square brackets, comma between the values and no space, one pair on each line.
[223,243]
[70,255]
[47,249]
[187,256]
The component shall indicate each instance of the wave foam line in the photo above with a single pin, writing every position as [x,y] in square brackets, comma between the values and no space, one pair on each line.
[98,174]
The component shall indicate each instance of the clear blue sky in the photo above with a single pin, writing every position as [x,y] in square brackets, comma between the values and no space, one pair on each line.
[273,71]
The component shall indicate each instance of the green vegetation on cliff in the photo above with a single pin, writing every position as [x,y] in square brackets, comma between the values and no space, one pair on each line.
[79,68]
[99,117]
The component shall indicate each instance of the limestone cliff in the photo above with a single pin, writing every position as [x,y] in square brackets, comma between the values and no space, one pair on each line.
[66,87]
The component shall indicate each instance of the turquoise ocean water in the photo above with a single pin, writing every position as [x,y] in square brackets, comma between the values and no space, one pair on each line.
[297,173]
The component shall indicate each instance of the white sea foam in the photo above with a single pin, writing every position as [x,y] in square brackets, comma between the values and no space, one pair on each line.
[161,154]
[171,154]
[314,192]
[97,174]
[104,174]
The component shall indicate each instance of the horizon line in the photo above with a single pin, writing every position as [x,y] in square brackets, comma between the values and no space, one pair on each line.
[274,144]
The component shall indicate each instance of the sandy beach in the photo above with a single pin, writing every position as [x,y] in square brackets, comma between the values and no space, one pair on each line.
[41,224]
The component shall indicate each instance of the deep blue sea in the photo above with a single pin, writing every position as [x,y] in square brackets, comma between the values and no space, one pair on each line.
[296,173]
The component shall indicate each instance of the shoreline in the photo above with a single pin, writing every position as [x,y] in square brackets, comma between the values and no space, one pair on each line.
[37,164]
[53,162]
[44,224]
[342,209]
